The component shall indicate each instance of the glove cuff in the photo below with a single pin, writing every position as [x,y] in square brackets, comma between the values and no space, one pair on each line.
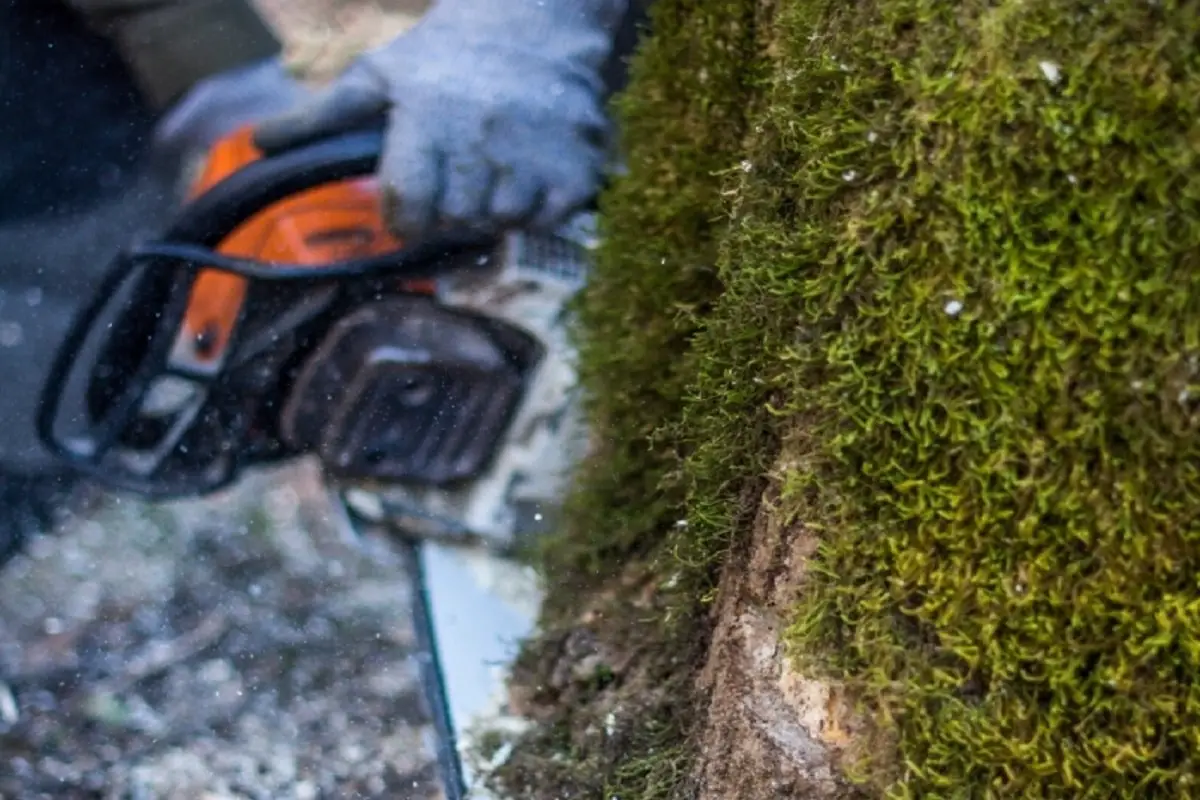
[581,32]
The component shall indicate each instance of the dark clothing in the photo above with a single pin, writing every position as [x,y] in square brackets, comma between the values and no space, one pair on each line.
[170,45]
[82,85]
[628,34]
[74,129]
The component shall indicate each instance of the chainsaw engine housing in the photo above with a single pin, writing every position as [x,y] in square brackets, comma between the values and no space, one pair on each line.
[277,317]
[526,285]
[406,390]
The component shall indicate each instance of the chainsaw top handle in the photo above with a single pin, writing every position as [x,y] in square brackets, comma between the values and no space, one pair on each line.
[280,174]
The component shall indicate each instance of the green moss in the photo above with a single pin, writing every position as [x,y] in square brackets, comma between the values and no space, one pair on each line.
[682,123]
[1007,495]
[952,251]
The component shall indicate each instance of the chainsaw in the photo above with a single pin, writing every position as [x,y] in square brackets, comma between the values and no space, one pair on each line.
[276,317]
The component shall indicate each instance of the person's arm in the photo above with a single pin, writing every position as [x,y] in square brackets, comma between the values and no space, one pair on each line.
[171,46]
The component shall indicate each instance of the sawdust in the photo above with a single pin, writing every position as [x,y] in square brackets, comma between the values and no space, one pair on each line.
[589,684]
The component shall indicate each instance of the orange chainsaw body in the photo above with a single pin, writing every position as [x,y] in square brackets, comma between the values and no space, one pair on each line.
[325,224]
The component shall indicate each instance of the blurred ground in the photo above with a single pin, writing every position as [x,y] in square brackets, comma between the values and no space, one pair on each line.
[243,646]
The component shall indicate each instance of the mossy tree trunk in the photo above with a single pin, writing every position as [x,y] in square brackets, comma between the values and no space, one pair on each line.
[950,249]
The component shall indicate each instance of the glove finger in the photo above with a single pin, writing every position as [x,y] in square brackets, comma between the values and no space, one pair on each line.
[354,100]
[593,127]
[516,197]
[564,199]
[412,172]
[582,114]
[470,181]
[571,185]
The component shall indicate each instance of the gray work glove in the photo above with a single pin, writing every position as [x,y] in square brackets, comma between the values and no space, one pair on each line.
[218,105]
[494,108]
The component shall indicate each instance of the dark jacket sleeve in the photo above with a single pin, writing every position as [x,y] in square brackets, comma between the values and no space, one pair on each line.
[170,45]
[634,25]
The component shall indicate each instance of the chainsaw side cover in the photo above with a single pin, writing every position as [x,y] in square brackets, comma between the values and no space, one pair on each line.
[404,390]
[527,287]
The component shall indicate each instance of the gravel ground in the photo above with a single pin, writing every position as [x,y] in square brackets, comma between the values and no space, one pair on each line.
[247,645]
[244,646]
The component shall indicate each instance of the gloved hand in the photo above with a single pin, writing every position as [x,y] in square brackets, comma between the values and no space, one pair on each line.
[226,101]
[494,109]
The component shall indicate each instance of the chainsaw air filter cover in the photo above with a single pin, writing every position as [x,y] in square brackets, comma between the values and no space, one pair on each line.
[405,390]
